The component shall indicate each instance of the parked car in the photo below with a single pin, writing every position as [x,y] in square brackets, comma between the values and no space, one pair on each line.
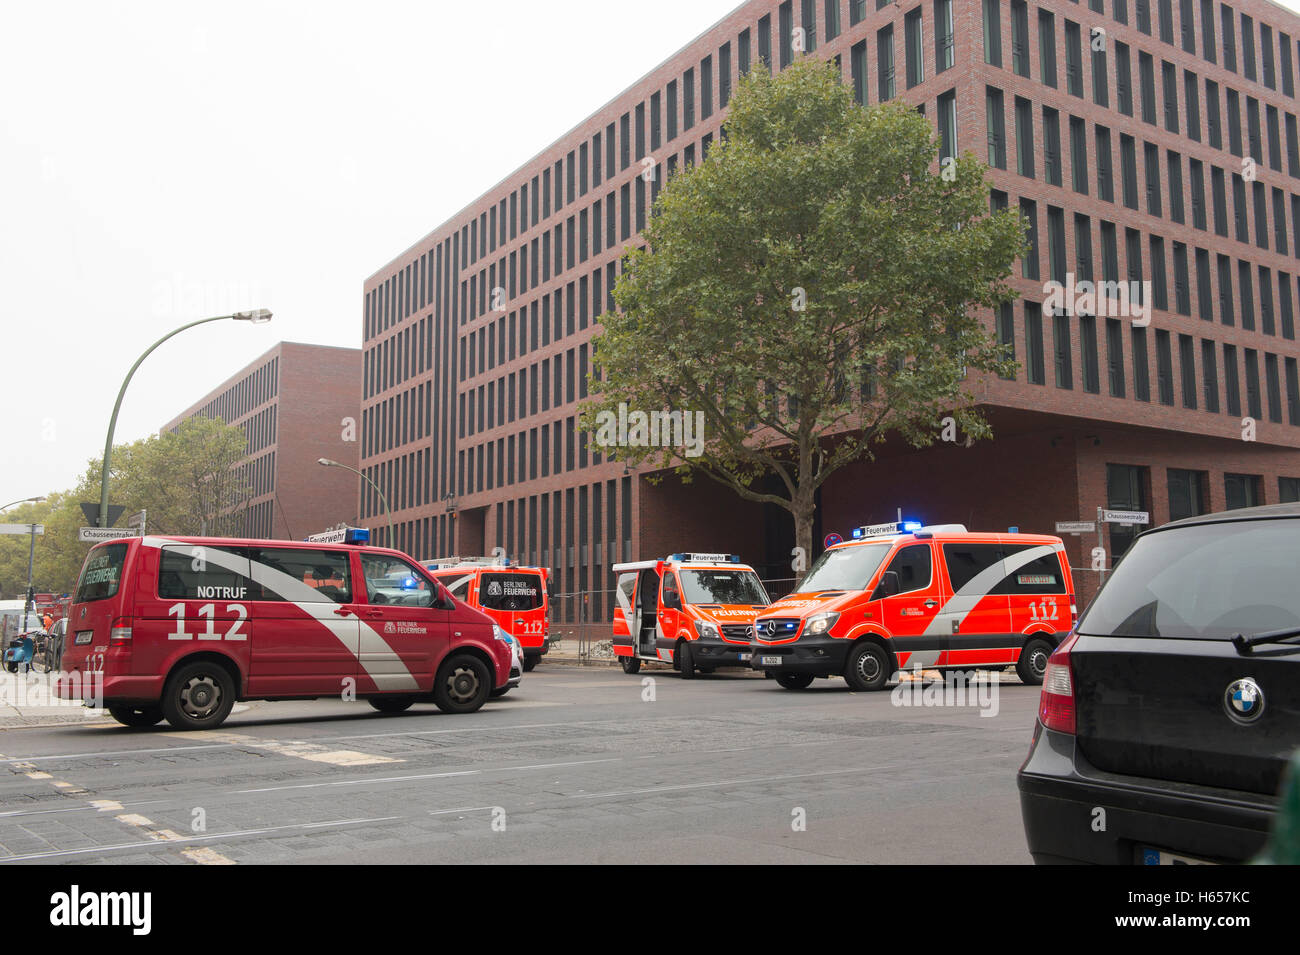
[1167,718]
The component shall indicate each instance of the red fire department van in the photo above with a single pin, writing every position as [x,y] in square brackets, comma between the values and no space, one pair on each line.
[516,598]
[181,628]
[695,611]
[909,597]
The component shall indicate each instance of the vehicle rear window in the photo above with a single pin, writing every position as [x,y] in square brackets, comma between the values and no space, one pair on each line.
[510,592]
[1206,581]
[102,573]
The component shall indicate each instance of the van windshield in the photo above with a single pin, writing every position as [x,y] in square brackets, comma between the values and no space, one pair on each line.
[722,587]
[1206,581]
[844,568]
[510,592]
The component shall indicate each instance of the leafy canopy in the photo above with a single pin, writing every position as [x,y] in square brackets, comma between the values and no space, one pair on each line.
[811,286]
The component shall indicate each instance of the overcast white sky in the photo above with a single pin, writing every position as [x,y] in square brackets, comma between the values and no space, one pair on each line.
[161,162]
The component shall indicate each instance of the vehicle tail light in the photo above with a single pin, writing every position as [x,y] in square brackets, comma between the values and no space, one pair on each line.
[1056,705]
[1074,614]
[119,635]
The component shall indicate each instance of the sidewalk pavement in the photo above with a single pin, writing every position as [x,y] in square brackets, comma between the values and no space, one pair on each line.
[27,699]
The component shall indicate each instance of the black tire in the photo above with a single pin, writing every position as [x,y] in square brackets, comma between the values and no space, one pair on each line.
[795,681]
[500,692]
[630,664]
[462,685]
[136,716]
[867,668]
[686,660]
[1031,666]
[198,696]
[391,704]
[530,662]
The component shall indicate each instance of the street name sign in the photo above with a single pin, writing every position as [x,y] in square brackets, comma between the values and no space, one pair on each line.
[95,534]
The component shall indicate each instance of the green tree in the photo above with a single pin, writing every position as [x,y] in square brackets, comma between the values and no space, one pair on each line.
[813,286]
[190,482]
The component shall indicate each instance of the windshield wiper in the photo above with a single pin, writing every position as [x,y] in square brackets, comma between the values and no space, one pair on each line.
[1246,645]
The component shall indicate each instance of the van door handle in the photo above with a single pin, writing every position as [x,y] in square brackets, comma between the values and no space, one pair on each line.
[374,613]
[343,612]
[932,603]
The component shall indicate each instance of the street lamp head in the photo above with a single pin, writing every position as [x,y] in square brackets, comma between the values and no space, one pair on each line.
[258,316]
[326,462]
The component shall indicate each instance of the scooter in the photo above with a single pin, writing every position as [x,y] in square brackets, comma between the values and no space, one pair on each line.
[20,653]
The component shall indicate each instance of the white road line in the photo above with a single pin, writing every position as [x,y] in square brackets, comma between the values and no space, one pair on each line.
[351,782]
[493,728]
[730,782]
[152,844]
[443,812]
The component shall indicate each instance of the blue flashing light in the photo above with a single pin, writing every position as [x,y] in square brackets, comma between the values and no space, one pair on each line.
[677,557]
[408,583]
[857,532]
[734,558]
[1013,530]
[357,535]
[910,527]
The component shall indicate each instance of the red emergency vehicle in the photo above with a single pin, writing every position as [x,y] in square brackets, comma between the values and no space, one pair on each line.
[695,611]
[516,598]
[909,597]
[183,627]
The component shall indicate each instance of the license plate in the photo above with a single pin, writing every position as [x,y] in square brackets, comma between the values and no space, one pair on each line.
[743,657]
[1161,857]
[770,661]
[84,636]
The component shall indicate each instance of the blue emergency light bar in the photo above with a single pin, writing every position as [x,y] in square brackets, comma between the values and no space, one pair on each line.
[706,558]
[357,535]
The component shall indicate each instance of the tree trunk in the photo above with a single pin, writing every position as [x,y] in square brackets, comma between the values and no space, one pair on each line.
[804,510]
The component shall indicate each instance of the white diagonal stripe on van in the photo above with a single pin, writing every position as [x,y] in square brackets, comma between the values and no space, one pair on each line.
[977,588]
[389,673]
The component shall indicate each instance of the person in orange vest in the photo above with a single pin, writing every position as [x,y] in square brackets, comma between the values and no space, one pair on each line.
[47,621]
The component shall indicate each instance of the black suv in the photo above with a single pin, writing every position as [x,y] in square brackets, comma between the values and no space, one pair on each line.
[1167,717]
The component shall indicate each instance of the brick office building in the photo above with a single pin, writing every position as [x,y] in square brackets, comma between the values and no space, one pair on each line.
[1121,129]
[296,403]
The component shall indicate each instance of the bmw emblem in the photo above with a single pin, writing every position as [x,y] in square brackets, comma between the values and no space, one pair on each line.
[1243,700]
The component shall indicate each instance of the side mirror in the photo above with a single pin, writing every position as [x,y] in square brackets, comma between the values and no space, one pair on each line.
[889,585]
[444,601]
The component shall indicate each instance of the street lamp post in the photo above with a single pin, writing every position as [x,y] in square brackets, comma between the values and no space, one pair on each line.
[388,511]
[257,316]
[31,552]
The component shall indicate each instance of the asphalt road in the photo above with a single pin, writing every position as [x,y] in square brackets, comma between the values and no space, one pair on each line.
[575,766]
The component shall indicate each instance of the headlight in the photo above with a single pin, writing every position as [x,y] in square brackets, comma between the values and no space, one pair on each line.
[821,622]
[706,629]
[501,634]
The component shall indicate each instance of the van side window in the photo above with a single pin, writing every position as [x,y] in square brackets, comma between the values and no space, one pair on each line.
[670,595]
[1041,576]
[302,576]
[627,589]
[205,572]
[912,564]
[966,561]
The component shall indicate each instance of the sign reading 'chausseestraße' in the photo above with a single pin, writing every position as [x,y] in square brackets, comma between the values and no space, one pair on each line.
[96,534]
[1126,517]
